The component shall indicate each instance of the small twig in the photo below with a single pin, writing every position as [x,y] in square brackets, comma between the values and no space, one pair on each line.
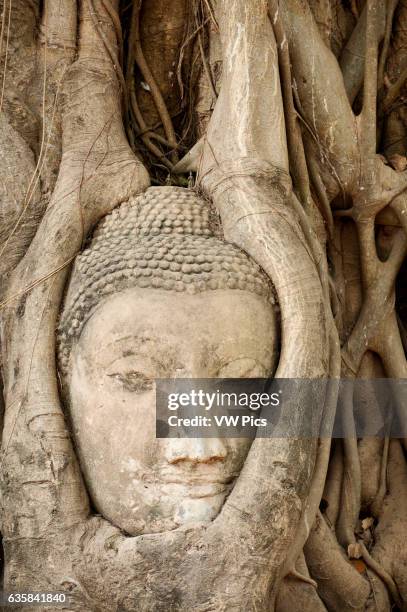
[38,281]
[212,15]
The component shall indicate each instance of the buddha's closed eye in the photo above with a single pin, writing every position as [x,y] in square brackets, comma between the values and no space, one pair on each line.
[133,381]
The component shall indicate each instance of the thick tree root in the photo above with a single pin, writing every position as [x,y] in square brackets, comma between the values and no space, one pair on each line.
[340,586]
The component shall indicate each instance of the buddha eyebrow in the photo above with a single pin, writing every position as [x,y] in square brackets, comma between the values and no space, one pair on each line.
[128,351]
[139,339]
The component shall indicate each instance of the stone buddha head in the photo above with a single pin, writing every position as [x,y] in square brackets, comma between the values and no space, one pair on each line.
[158,294]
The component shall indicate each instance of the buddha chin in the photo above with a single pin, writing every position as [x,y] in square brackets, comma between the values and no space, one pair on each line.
[140,483]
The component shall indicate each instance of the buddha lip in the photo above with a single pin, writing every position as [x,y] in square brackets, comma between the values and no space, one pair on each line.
[198,482]
[197,490]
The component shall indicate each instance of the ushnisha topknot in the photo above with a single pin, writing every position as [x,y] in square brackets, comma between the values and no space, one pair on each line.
[164,239]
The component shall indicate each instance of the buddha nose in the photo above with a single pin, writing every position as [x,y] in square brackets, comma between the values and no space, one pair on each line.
[196,450]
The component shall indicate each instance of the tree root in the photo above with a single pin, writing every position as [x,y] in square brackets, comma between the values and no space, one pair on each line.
[136,54]
[333,485]
[340,586]
[389,551]
[298,591]
[378,569]
[302,578]
[370,455]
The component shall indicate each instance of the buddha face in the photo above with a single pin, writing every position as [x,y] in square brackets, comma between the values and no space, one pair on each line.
[140,483]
